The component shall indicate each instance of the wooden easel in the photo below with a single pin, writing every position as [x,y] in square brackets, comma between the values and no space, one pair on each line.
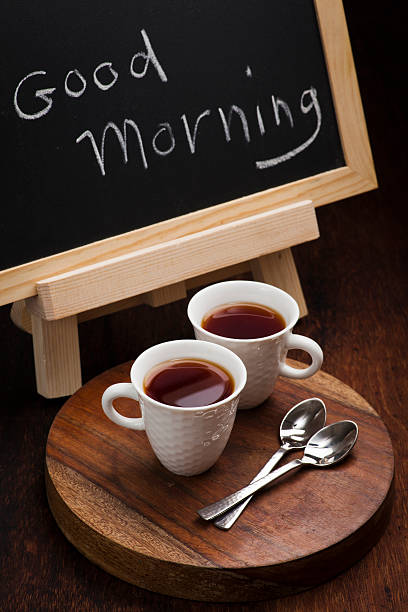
[158,263]
[157,275]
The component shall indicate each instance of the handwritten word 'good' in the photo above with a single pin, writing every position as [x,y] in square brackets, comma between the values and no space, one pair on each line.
[148,57]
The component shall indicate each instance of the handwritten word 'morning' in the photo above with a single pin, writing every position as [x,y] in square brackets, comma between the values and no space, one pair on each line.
[163,141]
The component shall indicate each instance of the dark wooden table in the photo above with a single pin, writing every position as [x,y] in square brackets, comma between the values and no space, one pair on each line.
[355,279]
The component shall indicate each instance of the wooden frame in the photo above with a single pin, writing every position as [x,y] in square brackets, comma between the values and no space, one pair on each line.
[358,175]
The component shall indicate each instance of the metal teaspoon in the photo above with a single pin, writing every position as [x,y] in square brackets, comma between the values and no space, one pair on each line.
[327,447]
[297,427]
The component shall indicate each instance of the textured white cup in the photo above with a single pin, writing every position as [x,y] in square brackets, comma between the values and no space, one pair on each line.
[264,358]
[187,441]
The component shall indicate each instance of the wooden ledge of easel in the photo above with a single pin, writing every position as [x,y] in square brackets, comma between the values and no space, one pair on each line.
[277,269]
[56,343]
[157,275]
[172,262]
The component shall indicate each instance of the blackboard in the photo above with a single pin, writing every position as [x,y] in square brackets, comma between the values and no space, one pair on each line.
[116,116]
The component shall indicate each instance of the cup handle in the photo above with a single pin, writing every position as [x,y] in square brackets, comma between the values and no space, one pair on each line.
[112,393]
[295,341]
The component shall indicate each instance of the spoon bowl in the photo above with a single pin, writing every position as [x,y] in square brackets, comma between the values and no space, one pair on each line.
[302,422]
[331,444]
[326,448]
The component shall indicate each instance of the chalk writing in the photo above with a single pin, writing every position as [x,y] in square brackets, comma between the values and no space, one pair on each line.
[314,104]
[148,56]
[164,128]
[42,94]
[226,123]
[233,119]
[122,139]
[192,138]
[113,73]
[72,92]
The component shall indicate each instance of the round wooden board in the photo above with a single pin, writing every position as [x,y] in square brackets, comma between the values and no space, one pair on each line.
[125,512]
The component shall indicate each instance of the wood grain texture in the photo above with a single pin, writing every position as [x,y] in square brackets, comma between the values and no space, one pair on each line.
[284,276]
[56,356]
[21,317]
[165,295]
[125,512]
[347,101]
[174,261]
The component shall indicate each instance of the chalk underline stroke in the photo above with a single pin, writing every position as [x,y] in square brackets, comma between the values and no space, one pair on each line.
[274,161]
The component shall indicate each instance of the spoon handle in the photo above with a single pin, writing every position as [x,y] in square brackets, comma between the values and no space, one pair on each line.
[227,520]
[213,510]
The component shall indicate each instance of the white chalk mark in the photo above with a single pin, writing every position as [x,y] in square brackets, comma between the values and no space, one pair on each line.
[70,92]
[260,120]
[268,163]
[277,103]
[192,138]
[113,72]
[122,139]
[40,93]
[227,123]
[166,127]
[150,57]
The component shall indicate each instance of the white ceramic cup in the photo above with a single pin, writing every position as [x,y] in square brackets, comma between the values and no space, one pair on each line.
[186,441]
[264,358]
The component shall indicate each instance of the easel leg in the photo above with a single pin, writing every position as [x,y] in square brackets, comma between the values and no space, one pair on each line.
[56,343]
[166,295]
[56,356]
[279,269]
[20,316]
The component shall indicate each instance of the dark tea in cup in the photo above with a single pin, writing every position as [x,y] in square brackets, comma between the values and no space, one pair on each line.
[187,383]
[242,320]
[179,385]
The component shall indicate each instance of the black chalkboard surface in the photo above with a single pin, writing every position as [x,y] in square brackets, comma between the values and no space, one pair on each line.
[118,115]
